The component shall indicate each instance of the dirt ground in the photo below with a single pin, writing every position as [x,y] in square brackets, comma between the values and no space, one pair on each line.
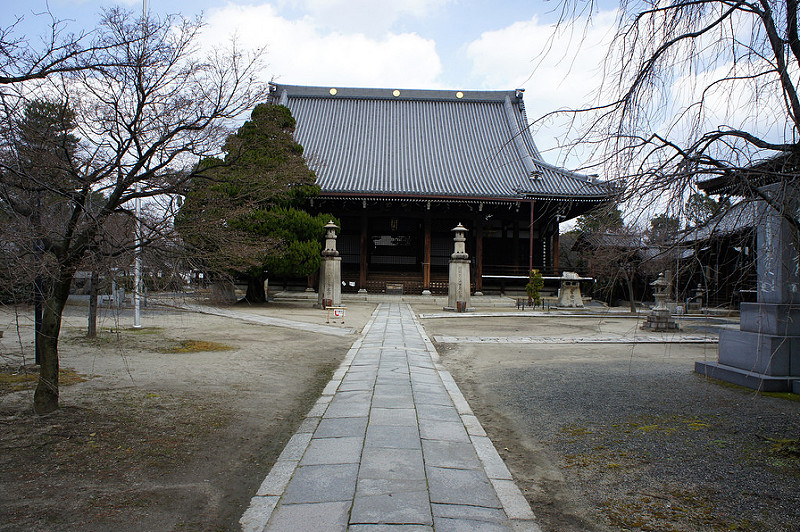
[624,437]
[174,426]
[171,427]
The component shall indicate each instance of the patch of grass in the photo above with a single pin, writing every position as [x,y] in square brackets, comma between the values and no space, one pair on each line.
[197,346]
[641,426]
[787,447]
[667,425]
[112,336]
[15,381]
[619,460]
[676,510]
[576,431]
[784,453]
[786,396]
[145,330]
[150,339]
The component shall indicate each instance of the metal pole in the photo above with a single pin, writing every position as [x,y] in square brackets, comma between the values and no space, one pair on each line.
[137,266]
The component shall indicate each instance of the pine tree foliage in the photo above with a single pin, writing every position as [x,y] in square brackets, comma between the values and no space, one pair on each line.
[243,217]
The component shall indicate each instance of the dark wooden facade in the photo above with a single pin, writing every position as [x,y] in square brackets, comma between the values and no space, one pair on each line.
[409,243]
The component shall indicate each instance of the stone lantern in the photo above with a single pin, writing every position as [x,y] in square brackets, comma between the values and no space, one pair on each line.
[459,280]
[660,318]
[570,294]
[330,271]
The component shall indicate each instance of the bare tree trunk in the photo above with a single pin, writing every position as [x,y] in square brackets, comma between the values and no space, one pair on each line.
[45,398]
[255,289]
[38,292]
[629,283]
[93,289]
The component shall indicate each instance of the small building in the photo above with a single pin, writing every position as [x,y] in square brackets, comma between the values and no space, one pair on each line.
[620,262]
[401,168]
[718,262]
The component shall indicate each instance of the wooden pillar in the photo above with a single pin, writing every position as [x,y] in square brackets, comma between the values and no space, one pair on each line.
[556,239]
[362,274]
[504,243]
[479,253]
[426,261]
[515,239]
[530,240]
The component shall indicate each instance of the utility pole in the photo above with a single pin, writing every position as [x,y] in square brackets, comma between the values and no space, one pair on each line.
[137,263]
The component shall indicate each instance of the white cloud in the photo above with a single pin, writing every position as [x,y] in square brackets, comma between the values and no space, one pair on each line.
[373,17]
[301,52]
[558,68]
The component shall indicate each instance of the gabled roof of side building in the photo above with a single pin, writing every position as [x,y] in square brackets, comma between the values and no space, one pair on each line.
[428,144]
[739,217]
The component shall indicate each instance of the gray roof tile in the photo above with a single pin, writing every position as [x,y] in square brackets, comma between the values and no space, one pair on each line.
[426,143]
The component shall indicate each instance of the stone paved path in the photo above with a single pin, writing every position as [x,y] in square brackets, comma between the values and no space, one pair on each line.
[390,445]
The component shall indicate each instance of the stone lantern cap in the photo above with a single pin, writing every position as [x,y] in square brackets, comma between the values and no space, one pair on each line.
[330,240]
[459,239]
[661,283]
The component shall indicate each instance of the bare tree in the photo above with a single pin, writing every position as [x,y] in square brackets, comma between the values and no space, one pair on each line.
[148,110]
[697,90]
[56,52]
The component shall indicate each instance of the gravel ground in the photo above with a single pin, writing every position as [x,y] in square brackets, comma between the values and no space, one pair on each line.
[617,437]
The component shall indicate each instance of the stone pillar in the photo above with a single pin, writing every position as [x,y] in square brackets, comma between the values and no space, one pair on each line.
[459,281]
[330,271]
[764,354]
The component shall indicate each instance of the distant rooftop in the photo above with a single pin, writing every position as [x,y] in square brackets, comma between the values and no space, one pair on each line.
[742,216]
[426,144]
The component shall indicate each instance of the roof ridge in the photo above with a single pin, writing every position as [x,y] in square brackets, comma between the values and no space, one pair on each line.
[300,91]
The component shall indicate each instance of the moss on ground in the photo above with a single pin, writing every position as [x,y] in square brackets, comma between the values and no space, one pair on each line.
[15,380]
[197,346]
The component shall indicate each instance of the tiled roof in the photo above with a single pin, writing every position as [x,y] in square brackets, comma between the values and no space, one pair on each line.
[426,143]
[742,216]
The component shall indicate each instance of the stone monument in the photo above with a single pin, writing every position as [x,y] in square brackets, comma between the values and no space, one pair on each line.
[459,280]
[764,354]
[660,318]
[330,271]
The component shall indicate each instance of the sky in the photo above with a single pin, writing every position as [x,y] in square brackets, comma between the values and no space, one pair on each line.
[405,44]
